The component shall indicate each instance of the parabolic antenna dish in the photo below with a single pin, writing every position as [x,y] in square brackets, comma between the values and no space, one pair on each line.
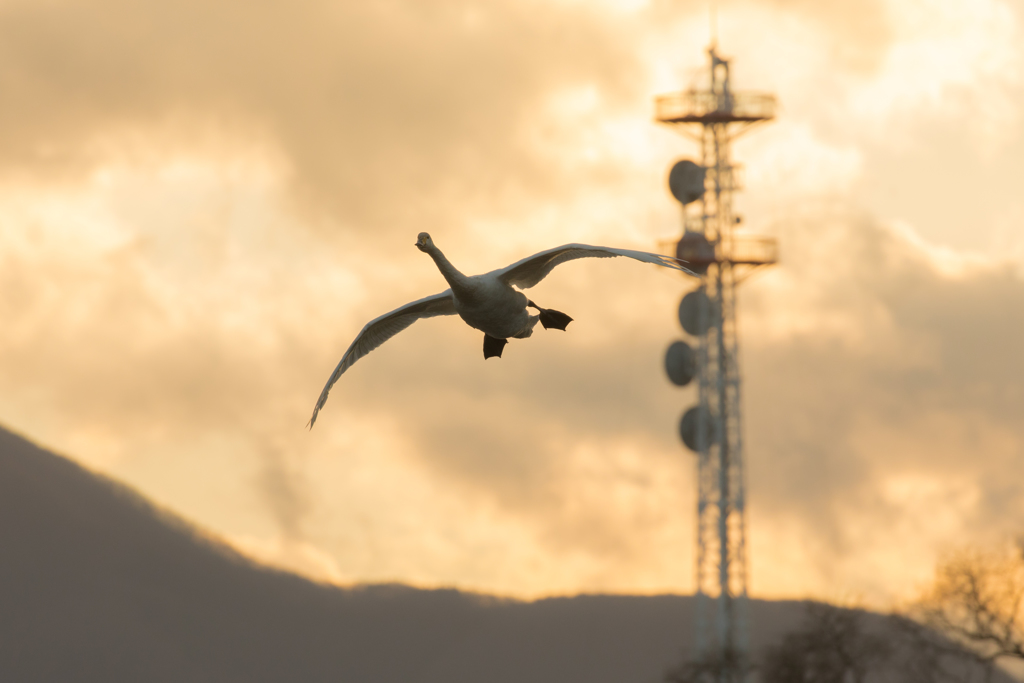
[680,363]
[695,312]
[695,420]
[686,181]
[696,251]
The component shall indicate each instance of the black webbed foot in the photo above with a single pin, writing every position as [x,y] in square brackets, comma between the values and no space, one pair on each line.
[493,346]
[552,319]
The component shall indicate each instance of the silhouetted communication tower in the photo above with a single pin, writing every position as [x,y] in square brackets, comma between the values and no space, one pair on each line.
[713,427]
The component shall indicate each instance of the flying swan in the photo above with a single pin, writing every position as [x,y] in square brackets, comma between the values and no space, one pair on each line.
[489,302]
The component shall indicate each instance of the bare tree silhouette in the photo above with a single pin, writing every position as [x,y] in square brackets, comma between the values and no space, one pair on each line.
[927,656]
[967,620]
[977,600]
[832,646]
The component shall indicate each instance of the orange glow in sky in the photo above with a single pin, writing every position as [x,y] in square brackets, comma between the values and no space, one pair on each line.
[202,203]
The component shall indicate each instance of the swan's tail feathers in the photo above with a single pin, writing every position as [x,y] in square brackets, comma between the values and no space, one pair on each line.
[493,346]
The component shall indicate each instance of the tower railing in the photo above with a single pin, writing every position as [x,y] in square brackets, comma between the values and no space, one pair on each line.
[705,106]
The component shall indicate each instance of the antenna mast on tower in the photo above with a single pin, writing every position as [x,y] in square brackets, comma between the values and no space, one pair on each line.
[713,428]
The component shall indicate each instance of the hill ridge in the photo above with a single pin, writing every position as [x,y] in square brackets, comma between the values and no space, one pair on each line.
[97,583]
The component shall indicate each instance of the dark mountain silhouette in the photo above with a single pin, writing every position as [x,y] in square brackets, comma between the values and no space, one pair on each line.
[96,584]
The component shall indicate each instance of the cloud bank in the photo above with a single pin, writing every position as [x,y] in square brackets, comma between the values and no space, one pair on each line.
[201,204]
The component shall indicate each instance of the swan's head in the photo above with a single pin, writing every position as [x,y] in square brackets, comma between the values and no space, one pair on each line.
[423,241]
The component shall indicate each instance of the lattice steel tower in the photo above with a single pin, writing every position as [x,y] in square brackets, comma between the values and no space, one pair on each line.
[713,428]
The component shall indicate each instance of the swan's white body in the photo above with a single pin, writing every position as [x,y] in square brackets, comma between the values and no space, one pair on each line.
[494,308]
[489,302]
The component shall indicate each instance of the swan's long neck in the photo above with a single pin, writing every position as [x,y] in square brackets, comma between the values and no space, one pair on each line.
[456,280]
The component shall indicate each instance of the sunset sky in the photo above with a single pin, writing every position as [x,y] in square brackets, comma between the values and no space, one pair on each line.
[201,203]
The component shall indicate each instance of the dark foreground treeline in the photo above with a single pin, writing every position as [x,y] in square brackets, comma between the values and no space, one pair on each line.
[836,645]
[97,585]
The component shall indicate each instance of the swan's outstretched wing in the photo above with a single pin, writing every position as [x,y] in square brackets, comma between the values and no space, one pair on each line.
[533,269]
[379,330]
